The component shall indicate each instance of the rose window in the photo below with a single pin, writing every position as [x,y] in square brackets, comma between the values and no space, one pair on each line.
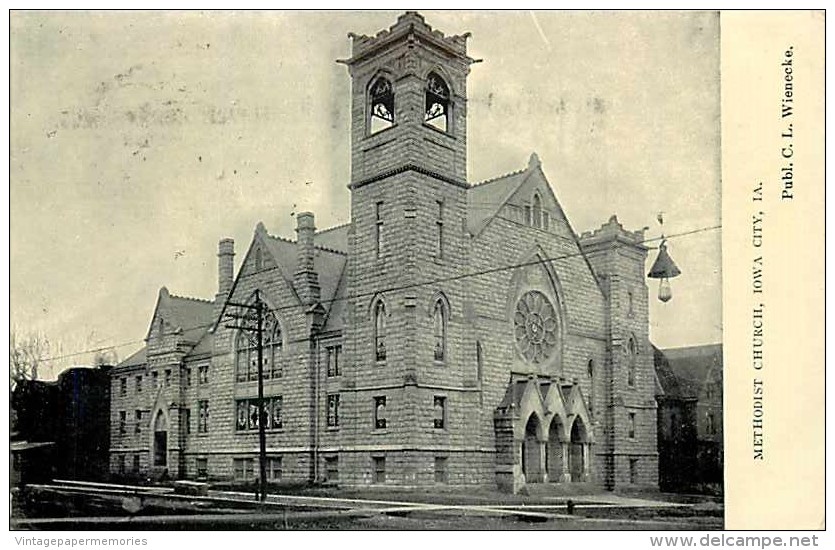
[535,326]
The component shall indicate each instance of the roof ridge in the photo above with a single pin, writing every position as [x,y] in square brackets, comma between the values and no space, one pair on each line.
[280,238]
[496,178]
[193,299]
[320,247]
[690,347]
[332,228]
[326,249]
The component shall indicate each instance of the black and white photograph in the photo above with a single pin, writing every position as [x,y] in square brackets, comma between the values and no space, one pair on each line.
[366,270]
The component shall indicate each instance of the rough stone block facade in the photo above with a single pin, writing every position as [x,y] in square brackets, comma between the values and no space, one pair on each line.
[449,335]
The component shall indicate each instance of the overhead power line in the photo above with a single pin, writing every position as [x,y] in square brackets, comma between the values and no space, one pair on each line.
[389,289]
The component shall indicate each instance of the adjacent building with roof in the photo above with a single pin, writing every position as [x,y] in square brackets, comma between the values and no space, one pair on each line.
[689,395]
[61,428]
[449,333]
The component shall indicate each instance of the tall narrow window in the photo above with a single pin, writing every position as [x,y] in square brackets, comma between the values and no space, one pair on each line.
[631,425]
[139,384]
[631,352]
[273,364]
[479,362]
[527,214]
[437,103]
[333,410]
[380,412]
[187,376]
[633,470]
[242,353]
[379,469]
[137,416]
[439,225]
[123,422]
[378,228]
[333,358]
[439,329]
[276,420]
[380,331]
[439,408]
[382,105]
[537,211]
[203,418]
[123,386]
[545,220]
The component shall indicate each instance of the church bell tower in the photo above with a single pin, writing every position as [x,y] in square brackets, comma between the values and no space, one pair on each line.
[408,241]
[409,102]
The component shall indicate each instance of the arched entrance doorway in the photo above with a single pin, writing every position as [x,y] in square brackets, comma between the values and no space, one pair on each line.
[160,441]
[578,456]
[531,452]
[554,456]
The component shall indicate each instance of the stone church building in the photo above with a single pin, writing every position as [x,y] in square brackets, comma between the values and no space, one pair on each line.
[450,333]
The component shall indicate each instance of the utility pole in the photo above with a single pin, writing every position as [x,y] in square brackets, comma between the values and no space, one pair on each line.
[256,325]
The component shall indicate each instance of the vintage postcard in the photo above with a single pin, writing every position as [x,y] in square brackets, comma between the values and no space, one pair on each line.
[417,270]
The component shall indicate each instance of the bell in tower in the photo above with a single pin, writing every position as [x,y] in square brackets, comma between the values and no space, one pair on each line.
[409,102]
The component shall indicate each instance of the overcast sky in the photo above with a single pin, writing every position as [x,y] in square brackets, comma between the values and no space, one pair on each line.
[139,140]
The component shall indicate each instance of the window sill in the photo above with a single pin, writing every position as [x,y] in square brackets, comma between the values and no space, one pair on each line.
[372,135]
[380,431]
[439,131]
[333,428]
[256,432]
[439,362]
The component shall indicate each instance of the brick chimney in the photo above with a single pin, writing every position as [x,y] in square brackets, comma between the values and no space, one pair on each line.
[306,280]
[225,267]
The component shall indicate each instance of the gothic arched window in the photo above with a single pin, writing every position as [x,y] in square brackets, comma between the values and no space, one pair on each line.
[437,102]
[537,211]
[439,319]
[246,350]
[382,105]
[380,331]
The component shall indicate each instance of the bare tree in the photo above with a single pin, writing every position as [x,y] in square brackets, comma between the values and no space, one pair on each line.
[27,352]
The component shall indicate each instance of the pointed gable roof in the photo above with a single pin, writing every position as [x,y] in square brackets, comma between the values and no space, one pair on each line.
[485,199]
[328,263]
[334,238]
[192,316]
[683,372]
[137,358]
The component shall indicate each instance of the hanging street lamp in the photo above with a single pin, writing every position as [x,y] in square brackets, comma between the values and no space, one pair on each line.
[664,268]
